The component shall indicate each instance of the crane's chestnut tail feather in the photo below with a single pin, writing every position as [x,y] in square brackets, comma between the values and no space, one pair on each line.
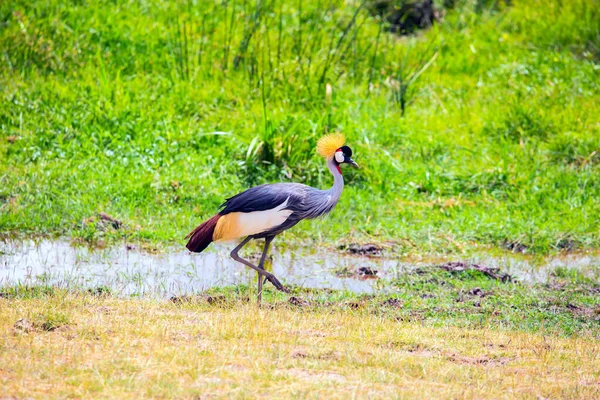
[202,236]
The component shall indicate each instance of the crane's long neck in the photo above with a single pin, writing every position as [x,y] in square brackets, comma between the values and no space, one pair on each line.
[319,202]
[338,180]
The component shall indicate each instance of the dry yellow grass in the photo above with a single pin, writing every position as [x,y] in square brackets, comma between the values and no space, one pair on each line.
[115,348]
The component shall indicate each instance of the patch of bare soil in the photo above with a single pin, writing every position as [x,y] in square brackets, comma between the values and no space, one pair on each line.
[219,299]
[483,360]
[24,326]
[368,249]
[411,347]
[359,273]
[585,311]
[516,247]
[367,272]
[494,273]
[392,302]
[298,301]
[477,292]
[354,305]
[102,221]
[299,353]
[326,355]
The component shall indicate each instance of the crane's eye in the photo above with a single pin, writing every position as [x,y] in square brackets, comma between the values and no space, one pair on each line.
[339,156]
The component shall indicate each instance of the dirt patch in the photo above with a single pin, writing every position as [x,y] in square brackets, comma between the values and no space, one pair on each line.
[298,301]
[359,273]
[329,355]
[366,271]
[477,292]
[326,355]
[354,305]
[368,249]
[558,286]
[392,303]
[516,247]
[299,353]
[587,312]
[494,273]
[102,221]
[415,349]
[53,326]
[108,220]
[483,360]
[218,299]
[567,244]
[24,326]
[404,345]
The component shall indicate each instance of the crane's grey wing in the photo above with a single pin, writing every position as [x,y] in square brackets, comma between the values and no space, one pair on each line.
[301,202]
[266,197]
[265,210]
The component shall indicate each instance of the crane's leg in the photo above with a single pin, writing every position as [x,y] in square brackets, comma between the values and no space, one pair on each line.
[269,276]
[261,265]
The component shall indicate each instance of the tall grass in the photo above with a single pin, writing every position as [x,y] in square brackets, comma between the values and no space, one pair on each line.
[104,106]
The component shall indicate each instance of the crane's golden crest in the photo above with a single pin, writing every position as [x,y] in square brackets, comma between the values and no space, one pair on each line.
[328,144]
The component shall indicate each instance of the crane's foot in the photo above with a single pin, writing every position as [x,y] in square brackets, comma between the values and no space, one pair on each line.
[277,284]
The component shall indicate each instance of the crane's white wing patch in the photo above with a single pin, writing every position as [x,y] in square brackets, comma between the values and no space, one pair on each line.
[238,224]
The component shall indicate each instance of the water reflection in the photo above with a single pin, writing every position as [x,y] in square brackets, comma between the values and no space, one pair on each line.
[139,273]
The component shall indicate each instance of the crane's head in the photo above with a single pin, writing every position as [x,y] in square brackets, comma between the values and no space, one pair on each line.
[332,148]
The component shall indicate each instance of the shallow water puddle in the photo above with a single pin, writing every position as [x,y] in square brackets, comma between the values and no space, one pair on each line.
[134,272]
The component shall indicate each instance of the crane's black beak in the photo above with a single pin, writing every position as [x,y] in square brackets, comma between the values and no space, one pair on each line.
[352,162]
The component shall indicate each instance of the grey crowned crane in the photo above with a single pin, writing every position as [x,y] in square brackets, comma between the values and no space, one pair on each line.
[267,210]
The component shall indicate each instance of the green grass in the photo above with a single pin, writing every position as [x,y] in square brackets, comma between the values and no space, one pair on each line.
[567,305]
[484,129]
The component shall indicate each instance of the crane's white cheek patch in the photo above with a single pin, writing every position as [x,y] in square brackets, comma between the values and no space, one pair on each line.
[238,224]
[339,157]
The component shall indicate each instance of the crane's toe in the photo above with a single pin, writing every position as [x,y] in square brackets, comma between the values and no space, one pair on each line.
[271,278]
